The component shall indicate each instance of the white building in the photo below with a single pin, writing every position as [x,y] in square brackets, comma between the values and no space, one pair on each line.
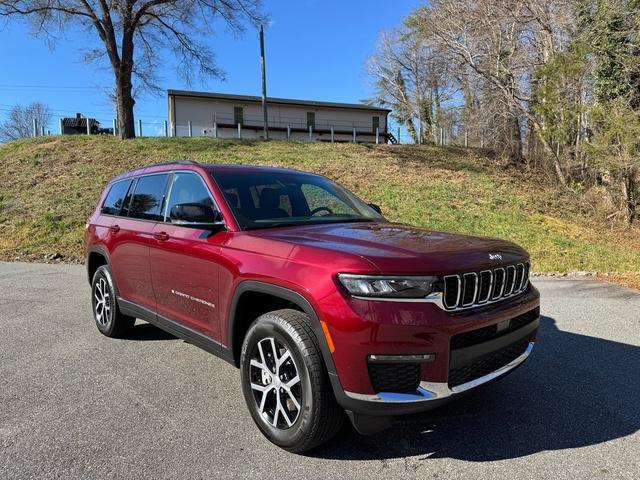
[241,116]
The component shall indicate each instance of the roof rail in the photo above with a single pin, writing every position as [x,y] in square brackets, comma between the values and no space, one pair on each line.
[162,164]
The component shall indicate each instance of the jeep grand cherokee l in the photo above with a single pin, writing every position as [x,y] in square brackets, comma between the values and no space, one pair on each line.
[325,306]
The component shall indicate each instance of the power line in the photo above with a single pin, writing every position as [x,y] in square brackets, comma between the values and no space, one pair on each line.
[54,87]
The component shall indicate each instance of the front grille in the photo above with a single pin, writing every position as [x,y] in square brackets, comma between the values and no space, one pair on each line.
[467,290]
[395,377]
[488,364]
[484,334]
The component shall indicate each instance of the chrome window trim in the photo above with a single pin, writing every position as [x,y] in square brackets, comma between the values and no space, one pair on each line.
[428,391]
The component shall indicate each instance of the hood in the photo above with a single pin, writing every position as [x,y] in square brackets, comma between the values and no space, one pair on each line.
[396,248]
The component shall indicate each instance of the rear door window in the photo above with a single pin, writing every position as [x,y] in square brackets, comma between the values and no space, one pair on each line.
[148,200]
[115,198]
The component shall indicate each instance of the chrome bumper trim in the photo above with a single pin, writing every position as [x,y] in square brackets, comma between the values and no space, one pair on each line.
[431,391]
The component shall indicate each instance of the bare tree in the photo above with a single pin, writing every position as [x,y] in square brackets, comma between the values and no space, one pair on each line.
[19,121]
[135,35]
[409,78]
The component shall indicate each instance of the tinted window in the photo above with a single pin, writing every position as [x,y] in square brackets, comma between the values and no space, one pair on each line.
[263,200]
[188,188]
[147,200]
[115,199]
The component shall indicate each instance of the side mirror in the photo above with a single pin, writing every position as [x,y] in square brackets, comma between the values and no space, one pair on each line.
[375,207]
[195,215]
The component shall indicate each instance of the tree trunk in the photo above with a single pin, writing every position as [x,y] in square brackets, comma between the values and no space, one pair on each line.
[411,129]
[124,96]
[515,142]
[124,105]
[628,193]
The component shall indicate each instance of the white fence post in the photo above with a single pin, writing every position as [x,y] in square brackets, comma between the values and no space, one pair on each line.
[215,129]
[115,127]
[310,133]
[239,130]
[61,126]
[190,129]
[333,135]
[354,134]
[88,126]
[288,132]
[482,139]
[441,136]
[377,135]
[466,138]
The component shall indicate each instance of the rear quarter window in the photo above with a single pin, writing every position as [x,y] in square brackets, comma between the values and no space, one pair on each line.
[115,198]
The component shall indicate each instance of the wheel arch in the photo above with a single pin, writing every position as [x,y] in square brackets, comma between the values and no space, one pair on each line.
[238,324]
[96,257]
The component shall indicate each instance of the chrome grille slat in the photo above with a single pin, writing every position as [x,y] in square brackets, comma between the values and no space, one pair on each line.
[466,288]
[483,277]
[509,280]
[503,275]
[504,282]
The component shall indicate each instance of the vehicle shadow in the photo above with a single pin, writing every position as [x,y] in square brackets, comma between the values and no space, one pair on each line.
[147,332]
[574,391]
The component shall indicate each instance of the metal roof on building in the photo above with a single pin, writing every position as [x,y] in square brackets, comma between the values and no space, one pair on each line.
[81,122]
[273,100]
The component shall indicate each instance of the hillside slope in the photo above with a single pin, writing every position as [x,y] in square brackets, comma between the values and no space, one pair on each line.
[49,185]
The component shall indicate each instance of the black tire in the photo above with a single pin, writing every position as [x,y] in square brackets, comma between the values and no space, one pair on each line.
[107,315]
[319,417]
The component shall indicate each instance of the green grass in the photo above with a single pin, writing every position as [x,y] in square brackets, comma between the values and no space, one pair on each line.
[48,187]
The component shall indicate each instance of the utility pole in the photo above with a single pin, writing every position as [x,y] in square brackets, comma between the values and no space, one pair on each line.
[264,84]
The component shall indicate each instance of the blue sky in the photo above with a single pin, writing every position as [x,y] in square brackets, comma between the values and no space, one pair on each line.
[315,50]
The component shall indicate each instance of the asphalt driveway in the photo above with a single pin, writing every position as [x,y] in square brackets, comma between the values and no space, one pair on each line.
[74,404]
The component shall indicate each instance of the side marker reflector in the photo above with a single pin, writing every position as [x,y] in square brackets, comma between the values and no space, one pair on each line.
[327,335]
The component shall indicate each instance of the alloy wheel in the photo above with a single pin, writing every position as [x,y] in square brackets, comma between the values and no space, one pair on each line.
[275,383]
[102,306]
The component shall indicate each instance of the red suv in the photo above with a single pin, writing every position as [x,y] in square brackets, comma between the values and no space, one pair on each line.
[324,305]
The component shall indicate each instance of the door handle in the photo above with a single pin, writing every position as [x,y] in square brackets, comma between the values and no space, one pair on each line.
[162,236]
[114,228]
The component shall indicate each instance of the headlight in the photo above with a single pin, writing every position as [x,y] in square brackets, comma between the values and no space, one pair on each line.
[388,287]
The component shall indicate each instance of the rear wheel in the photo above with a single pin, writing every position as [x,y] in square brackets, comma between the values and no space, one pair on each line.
[285,384]
[106,313]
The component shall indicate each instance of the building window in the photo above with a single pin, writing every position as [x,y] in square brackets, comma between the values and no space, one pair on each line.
[311,120]
[238,115]
[376,123]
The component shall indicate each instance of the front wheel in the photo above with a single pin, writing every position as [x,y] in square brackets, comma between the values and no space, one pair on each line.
[285,384]
[106,313]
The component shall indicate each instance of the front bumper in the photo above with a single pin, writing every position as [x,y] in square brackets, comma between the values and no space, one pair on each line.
[433,394]
[436,387]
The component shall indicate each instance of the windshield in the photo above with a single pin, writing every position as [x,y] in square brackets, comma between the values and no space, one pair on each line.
[266,200]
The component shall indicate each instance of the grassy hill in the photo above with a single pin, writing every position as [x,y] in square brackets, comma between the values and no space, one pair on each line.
[49,185]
